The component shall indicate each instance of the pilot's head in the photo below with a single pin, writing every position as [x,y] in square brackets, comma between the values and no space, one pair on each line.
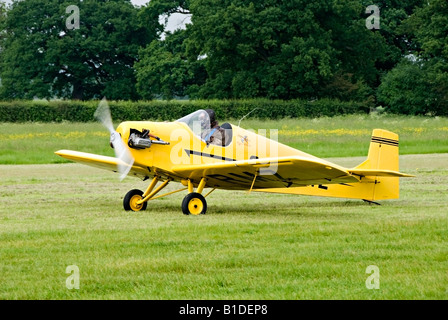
[211,115]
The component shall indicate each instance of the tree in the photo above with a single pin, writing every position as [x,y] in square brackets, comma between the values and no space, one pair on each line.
[283,50]
[277,49]
[42,58]
[404,89]
[399,39]
[261,49]
[165,70]
[430,26]
[2,30]
[431,31]
[2,18]
[421,86]
[154,10]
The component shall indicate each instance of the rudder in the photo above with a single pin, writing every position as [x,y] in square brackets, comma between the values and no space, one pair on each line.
[383,151]
[383,155]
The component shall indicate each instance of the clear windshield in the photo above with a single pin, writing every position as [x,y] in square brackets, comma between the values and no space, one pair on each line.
[198,121]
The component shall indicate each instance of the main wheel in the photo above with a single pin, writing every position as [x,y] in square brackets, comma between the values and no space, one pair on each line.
[130,201]
[194,203]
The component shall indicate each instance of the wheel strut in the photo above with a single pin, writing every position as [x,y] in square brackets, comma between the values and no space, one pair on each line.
[137,200]
[194,202]
[150,194]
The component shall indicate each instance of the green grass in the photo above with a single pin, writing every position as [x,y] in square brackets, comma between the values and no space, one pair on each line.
[345,136]
[349,136]
[257,246]
[35,143]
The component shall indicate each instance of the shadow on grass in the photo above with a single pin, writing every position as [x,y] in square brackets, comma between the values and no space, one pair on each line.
[279,207]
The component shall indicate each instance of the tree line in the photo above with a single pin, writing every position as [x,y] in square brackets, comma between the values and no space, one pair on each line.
[232,49]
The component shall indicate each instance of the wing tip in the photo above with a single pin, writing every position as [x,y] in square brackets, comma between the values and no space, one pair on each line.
[59,152]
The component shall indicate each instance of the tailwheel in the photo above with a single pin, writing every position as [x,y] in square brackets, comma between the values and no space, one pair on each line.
[130,201]
[194,203]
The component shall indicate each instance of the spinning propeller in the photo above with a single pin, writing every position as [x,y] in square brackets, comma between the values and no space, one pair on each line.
[122,153]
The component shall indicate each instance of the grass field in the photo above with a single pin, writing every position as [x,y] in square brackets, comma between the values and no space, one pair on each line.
[257,246]
[348,136]
[252,247]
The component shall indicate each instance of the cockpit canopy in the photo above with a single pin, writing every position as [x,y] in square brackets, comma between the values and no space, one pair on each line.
[199,123]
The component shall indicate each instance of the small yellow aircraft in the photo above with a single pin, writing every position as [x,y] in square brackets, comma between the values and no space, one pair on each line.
[199,155]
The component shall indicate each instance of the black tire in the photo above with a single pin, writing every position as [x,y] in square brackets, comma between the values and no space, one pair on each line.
[130,198]
[194,203]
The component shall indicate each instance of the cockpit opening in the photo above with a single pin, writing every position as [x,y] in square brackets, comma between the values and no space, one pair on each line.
[204,125]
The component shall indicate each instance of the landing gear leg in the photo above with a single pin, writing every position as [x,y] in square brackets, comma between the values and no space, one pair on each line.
[136,200]
[194,202]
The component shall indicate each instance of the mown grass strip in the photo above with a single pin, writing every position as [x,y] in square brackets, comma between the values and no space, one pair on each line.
[259,246]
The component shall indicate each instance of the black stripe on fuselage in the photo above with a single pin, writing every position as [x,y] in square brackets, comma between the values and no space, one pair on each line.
[208,155]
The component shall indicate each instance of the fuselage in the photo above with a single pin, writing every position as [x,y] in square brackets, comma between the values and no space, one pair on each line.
[187,148]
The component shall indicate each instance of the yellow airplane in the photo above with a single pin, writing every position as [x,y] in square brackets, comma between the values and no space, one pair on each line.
[195,153]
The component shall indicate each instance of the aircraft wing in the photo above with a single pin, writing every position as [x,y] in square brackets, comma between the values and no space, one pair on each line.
[102,162]
[280,172]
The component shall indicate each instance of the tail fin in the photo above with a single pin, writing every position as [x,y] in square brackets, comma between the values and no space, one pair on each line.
[382,157]
[383,151]
[379,176]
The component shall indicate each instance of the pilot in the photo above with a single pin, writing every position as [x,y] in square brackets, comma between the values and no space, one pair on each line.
[214,134]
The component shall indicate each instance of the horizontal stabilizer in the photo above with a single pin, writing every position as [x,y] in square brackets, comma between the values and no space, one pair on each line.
[378,173]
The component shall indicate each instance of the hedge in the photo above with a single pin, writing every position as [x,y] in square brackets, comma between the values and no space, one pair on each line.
[82,111]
